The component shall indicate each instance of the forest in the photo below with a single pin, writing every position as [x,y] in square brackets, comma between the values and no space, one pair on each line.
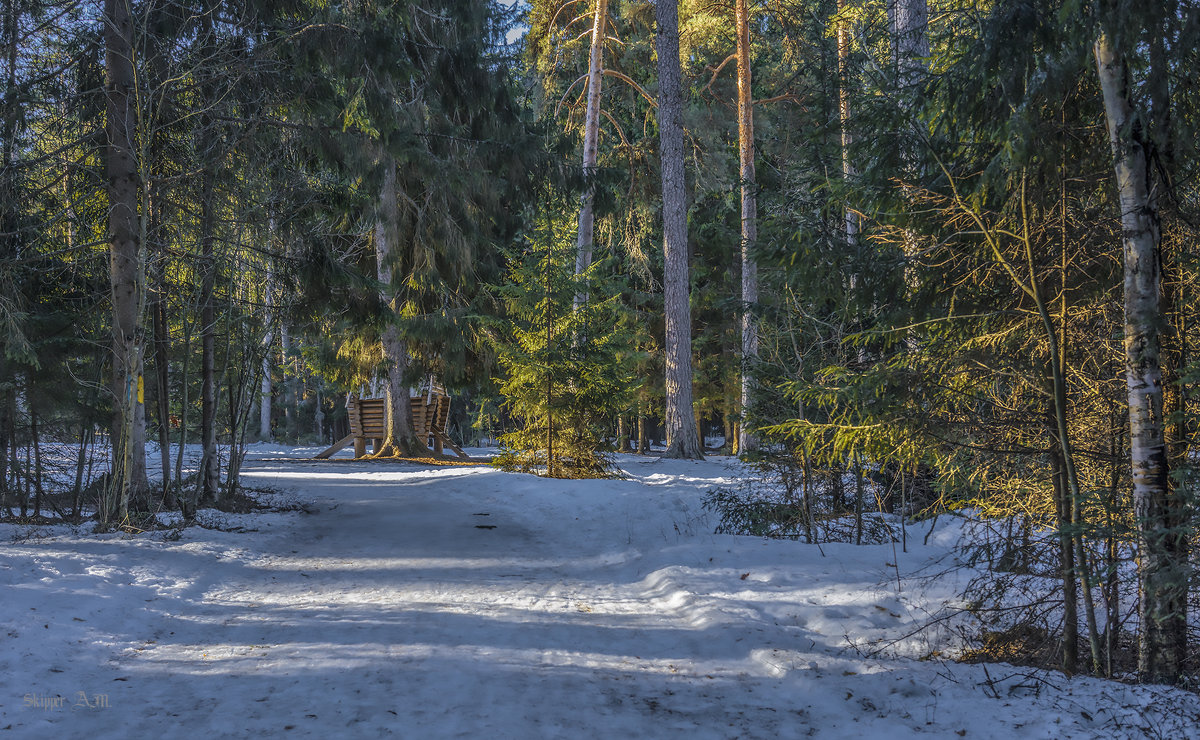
[905,259]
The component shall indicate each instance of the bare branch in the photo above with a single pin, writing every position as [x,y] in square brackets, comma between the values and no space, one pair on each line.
[620,132]
[631,83]
[561,8]
[717,70]
[777,98]
[563,99]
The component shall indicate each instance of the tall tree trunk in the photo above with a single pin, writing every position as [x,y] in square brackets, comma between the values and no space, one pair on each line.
[908,20]
[1162,546]
[747,441]
[264,392]
[319,418]
[10,242]
[591,137]
[401,437]
[264,409]
[1176,307]
[156,249]
[288,381]
[208,478]
[7,442]
[158,314]
[1066,554]
[683,439]
[1112,579]
[848,172]
[128,484]
[209,475]
[844,86]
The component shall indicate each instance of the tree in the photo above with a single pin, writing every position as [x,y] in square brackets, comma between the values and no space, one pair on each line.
[209,149]
[591,138]
[400,435]
[683,440]
[1163,568]
[747,441]
[128,483]
[845,86]
[567,369]
[910,44]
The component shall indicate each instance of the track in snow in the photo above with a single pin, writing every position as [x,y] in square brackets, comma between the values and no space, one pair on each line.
[466,602]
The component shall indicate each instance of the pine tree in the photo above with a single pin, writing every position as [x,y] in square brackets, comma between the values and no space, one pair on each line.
[746,151]
[683,438]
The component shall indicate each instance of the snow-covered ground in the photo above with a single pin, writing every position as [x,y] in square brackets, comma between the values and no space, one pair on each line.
[465,602]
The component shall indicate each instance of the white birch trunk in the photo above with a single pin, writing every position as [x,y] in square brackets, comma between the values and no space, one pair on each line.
[1162,553]
[264,409]
[591,137]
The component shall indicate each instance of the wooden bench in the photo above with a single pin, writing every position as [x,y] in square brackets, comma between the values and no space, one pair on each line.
[368,417]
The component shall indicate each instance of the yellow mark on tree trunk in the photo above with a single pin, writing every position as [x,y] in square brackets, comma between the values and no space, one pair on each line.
[141,389]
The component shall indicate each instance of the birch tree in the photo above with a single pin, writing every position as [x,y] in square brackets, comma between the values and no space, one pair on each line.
[1163,557]
[591,137]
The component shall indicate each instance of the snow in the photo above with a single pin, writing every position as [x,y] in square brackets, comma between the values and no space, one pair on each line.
[464,601]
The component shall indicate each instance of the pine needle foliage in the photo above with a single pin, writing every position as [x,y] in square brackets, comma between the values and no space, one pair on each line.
[567,371]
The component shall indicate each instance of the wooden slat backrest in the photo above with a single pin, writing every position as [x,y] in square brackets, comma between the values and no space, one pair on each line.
[368,416]
[442,411]
[420,417]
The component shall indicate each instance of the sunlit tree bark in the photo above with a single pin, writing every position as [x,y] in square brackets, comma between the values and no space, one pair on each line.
[591,137]
[1162,546]
[683,438]
[747,441]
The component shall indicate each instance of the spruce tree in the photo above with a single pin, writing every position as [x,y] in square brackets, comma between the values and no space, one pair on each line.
[567,369]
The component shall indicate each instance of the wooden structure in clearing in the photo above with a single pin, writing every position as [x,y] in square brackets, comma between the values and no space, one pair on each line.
[368,417]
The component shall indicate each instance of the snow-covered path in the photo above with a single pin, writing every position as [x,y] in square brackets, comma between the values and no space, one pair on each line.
[465,602]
